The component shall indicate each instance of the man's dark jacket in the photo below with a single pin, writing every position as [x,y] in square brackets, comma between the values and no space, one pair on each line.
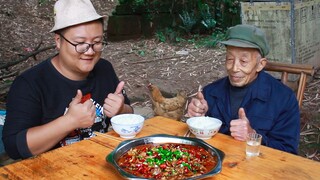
[270,106]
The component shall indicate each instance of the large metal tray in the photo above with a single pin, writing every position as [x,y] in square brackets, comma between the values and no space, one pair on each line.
[126,145]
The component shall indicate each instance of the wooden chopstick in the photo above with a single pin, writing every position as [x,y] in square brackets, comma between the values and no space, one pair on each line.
[200,88]
[107,136]
[187,134]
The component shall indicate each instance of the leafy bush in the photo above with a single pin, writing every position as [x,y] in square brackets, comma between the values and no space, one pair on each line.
[168,34]
[40,2]
[190,19]
[207,19]
[211,41]
[203,19]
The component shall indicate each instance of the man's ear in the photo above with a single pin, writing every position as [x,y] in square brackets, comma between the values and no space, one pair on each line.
[57,40]
[261,64]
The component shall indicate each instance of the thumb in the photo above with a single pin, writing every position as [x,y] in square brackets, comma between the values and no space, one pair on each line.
[119,88]
[242,114]
[77,98]
[200,95]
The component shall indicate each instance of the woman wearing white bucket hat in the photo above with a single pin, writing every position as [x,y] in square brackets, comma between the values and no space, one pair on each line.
[67,97]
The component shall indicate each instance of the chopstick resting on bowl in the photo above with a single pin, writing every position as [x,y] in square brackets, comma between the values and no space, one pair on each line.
[187,134]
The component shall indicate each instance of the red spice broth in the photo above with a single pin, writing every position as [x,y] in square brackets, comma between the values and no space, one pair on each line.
[167,161]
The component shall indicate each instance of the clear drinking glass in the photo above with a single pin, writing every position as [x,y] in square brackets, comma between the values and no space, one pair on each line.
[253,144]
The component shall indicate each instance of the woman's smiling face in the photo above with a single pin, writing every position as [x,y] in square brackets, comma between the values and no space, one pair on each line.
[243,65]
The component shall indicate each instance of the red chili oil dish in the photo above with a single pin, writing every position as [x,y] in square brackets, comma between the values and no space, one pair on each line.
[167,161]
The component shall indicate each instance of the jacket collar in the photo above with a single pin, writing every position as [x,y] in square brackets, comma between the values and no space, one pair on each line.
[259,89]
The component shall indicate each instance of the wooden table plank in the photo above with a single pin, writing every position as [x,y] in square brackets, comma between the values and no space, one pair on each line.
[271,163]
[86,159]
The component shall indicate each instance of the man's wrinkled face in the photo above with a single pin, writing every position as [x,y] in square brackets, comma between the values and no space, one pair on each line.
[243,65]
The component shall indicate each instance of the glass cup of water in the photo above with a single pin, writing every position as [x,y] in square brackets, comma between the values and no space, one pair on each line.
[253,144]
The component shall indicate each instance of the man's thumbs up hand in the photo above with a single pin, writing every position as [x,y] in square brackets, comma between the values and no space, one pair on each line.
[198,106]
[240,127]
[80,114]
[114,102]
[119,88]
[242,114]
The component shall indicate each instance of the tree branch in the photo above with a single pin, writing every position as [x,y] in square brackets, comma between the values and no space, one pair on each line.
[25,57]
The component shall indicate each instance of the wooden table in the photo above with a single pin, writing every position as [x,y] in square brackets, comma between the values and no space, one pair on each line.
[86,159]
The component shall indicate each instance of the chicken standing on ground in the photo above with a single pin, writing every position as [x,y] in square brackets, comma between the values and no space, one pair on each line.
[168,107]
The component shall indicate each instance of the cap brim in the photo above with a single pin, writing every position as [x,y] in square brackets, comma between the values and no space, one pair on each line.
[239,43]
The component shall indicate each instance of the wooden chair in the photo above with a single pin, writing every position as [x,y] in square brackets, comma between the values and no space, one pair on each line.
[299,69]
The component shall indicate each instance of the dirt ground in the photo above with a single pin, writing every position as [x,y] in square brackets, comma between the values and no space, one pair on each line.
[25,24]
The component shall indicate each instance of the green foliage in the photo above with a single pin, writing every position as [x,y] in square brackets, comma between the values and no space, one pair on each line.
[40,2]
[160,36]
[211,41]
[207,13]
[188,21]
[168,34]
[139,3]
[226,11]
[147,8]
[232,6]
[207,18]
[141,53]
[201,22]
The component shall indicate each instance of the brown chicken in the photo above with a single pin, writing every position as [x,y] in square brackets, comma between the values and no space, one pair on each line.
[168,107]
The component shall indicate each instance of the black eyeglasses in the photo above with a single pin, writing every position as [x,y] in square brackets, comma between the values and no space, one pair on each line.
[84,47]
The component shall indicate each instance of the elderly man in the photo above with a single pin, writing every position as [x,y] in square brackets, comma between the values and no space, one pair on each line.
[68,96]
[248,99]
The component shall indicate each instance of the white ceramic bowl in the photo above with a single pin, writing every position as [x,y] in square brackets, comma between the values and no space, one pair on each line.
[204,127]
[127,125]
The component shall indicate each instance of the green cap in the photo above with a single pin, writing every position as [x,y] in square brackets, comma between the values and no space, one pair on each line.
[247,36]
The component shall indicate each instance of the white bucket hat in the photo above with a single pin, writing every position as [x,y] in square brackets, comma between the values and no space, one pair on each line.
[72,12]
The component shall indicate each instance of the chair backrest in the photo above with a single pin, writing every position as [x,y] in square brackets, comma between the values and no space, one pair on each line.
[299,69]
